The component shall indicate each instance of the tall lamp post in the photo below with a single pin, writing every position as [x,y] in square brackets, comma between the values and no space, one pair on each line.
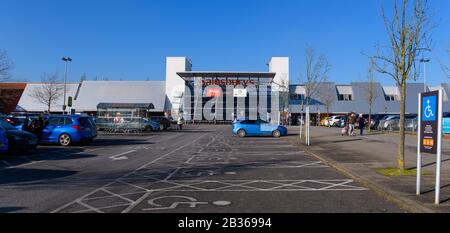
[66,60]
[424,61]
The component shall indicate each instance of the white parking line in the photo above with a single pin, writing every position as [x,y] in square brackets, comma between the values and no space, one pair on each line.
[79,200]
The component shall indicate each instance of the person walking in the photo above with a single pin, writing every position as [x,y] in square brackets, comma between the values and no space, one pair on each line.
[362,124]
[351,124]
[180,122]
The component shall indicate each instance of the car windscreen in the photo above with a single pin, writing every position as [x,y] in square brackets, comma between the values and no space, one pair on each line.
[6,126]
[85,122]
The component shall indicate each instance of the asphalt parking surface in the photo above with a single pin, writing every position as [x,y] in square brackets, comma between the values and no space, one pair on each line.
[201,169]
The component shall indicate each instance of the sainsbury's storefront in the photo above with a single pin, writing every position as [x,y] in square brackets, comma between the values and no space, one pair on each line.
[224,96]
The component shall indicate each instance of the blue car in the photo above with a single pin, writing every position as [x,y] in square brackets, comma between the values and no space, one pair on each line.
[152,125]
[446,127]
[3,142]
[243,128]
[66,130]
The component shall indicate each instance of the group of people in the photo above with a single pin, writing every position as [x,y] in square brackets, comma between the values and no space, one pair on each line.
[35,126]
[350,124]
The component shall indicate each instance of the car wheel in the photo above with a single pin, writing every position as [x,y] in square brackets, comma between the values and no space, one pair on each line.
[64,140]
[241,133]
[276,134]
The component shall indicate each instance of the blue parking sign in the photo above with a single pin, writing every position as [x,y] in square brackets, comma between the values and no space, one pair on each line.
[429,108]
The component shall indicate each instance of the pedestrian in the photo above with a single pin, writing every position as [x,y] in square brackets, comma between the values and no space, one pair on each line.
[351,124]
[362,124]
[34,127]
[26,124]
[180,122]
[39,127]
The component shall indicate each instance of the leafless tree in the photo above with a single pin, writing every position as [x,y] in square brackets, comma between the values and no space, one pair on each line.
[317,69]
[83,77]
[444,67]
[371,94]
[51,91]
[5,66]
[328,100]
[409,34]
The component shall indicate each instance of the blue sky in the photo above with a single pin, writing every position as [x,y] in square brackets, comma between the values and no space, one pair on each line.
[129,39]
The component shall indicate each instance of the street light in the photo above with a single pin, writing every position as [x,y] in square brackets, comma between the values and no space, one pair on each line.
[424,61]
[66,60]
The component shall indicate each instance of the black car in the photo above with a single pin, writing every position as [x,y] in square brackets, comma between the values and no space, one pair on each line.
[18,139]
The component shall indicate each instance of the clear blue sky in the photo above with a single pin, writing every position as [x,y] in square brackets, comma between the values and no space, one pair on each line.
[129,39]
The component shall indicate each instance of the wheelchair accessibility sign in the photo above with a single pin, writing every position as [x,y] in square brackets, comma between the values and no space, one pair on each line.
[429,135]
[429,116]
[429,108]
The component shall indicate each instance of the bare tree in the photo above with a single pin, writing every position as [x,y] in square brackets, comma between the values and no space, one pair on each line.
[328,98]
[5,66]
[83,77]
[371,94]
[444,67]
[50,91]
[317,69]
[409,34]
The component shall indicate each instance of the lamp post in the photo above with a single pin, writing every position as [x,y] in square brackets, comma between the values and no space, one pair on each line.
[66,60]
[424,61]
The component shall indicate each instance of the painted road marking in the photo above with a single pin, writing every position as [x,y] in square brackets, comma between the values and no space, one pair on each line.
[151,178]
[121,155]
[190,201]
[80,199]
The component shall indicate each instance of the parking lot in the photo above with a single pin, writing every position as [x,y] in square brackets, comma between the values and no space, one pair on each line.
[201,169]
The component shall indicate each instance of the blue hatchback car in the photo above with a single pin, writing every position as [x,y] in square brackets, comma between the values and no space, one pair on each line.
[66,130]
[245,127]
[3,142]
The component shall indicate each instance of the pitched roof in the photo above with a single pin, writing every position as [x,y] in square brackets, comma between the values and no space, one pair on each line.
[30,104]
[93,93]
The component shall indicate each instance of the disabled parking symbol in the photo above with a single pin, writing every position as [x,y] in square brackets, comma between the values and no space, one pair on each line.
[429,108]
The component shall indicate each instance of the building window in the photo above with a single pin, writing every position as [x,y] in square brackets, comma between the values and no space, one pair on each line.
[391,98]
[345,97]
[297,97]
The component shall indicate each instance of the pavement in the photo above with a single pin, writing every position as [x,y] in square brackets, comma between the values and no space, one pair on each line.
[198,170]
[360,156]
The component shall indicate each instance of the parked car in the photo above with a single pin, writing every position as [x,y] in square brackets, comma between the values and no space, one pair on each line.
[375,121]
[3,142]
[66,130]
[18,139]
[245,128]
[150,125]
[325,121]
[446,127]
[162,121]
[17,122]
[335,121]
[393,124]
[446,123]
[382,124]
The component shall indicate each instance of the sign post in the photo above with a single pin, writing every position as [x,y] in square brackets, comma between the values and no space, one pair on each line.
[439,152]
[307,126]
[430,135]
[419,156]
